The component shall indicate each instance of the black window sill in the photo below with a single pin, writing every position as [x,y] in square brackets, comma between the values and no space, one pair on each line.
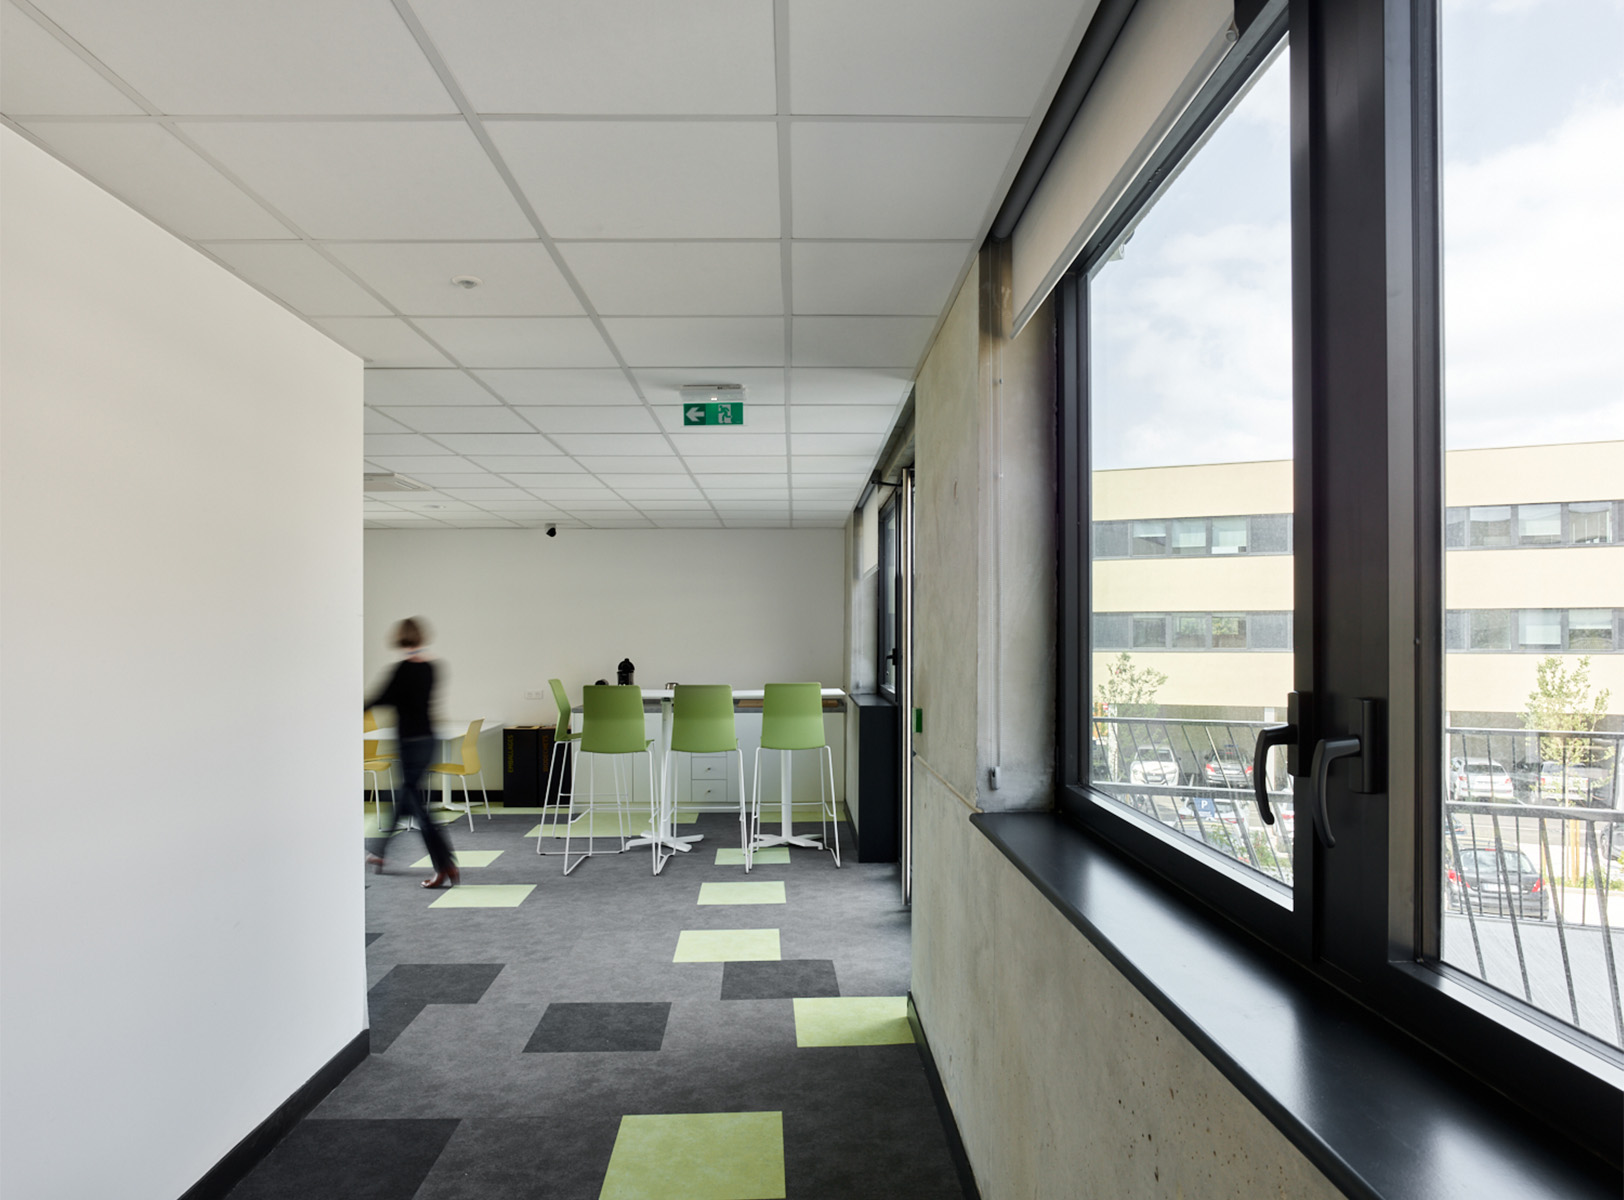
[1374,1110]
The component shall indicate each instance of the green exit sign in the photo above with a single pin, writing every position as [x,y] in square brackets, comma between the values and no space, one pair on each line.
[725,413]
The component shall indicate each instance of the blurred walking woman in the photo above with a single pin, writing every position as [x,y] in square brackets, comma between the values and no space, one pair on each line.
[410,692]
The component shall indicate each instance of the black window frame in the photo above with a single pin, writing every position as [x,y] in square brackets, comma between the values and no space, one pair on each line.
[1366,306]
[888,574]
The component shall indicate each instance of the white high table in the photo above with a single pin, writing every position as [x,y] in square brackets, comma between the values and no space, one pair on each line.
[667,834]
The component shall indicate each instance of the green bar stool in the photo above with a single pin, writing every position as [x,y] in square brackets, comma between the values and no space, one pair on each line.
[563,739]
[792,719]
[701,723]
[612,726]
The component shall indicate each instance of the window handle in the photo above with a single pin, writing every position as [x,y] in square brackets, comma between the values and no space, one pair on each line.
[1268,736]
[1366,777]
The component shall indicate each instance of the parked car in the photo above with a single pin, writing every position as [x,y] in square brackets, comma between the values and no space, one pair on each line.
[1478,779]
[1154,764]
[1569,783]
[1497,882]
[1226,767]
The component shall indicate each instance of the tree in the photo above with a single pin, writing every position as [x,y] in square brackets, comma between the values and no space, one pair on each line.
[1129,691]
[1561,702]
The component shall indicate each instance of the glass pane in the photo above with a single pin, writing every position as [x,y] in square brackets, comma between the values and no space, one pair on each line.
[1113,631]
[1539,629]
[1539,524]
[1149,538]
[1490,526]
[1190,406]
[1590,524]
[886,642]
[1533,249]
[1590,629]
[1229,535]
[1455,528]
[1112,539]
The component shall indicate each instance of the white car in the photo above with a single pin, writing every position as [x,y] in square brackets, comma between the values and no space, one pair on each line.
[1478,779]
[1155,765]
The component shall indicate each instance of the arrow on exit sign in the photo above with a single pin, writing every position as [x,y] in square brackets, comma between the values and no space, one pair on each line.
[727,413]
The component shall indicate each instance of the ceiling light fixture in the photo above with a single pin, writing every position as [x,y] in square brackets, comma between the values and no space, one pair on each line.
[388,481]
[466,282]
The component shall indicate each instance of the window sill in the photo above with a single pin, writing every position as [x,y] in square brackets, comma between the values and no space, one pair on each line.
[1376,1112]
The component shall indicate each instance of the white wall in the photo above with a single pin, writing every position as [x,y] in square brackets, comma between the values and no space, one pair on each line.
[513,608]
[181,909]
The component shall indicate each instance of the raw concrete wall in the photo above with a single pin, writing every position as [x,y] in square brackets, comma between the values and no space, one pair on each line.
[1064,1079]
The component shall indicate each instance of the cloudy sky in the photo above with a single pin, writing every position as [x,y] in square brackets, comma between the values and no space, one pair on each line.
[1192,334]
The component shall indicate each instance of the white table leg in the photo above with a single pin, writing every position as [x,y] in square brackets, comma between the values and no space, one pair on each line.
[667,800]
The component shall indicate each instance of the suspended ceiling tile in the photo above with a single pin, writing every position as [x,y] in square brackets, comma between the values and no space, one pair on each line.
[438,481]
[825,464]
[738,464]
[758,418]
[813,495]
[476,495]
[299,276]
[556,480]
[726,441]
[614,443]
[517,279]
[841,418]
[663,385]
[519,341]
[522,444]
[665,488]
[373,421]
[861,341]
[504,464]
[416,465]
[387,388]
[600,504]
[737,496]
[151,170]
[854,480]
[649,279]
[381,341]
[518,507]
[896,180]
[661,469]
[611,56]
[927,57]
[836,443]
[400,444]
[461,418]
[369,179]
[520,387]
[38,74]
[291,57]
[734,480]
[882,278]
[646,179]
[694,341]
[850,386]
[591,418]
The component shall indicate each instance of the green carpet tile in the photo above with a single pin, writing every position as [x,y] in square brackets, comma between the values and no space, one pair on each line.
[701,1033]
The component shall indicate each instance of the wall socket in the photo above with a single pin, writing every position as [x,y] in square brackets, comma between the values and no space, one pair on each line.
[534,694]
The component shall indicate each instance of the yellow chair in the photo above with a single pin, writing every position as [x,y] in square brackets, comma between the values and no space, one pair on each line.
[373,763]
[468,766]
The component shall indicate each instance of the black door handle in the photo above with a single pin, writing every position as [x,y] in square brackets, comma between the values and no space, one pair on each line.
[1269,735]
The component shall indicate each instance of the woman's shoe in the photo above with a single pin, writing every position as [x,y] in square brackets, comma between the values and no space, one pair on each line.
[376,863]
[436,880]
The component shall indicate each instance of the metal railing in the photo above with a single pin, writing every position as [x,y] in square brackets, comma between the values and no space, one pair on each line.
[1550,796]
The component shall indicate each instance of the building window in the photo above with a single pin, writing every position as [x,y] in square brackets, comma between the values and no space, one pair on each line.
[1539,629]
[1539,524]
[1591,630]
[1189,537]
[1149,539]
[1229,535]
[1150,633]
[1590,523]
[1489,526]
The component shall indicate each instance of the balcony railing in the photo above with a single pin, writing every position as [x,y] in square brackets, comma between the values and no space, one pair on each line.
[1533,843]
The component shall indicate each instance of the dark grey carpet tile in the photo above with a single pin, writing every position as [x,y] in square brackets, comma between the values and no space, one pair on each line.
[784,980]
[588,1028]
[394,1001]
[439,983]
[372,937]
[563,1157]
[348,1160]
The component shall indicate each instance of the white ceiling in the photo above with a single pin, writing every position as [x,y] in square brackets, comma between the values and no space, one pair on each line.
[782,194]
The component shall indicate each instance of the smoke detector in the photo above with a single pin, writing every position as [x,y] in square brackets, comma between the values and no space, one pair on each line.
[466,282]
[388,481]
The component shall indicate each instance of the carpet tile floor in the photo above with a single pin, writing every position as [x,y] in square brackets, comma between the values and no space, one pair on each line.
[701,1034]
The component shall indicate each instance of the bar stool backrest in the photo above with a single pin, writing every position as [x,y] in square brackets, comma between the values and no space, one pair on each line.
[702,719]
[612,719]
[792,716]
[562,699]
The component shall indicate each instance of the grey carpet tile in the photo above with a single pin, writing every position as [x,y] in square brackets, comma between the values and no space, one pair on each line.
[858,1121]
[395,1001]
[805,977]
[372,937]
[567,1028]
[348,1160]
